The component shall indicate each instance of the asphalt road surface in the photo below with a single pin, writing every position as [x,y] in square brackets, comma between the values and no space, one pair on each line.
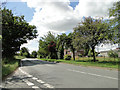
[35,73]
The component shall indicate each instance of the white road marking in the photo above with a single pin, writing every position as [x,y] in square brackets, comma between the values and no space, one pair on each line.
[93,74]
[29,75]
[34,78]
[40,81]
[22,71]
[35,87]
[29,83]
[48,86]
[9,82]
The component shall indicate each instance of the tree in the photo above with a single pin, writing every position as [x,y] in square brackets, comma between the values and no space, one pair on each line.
[52,50]
[24,52]
[15,31]
[61,42]
[43,49]
[44,43]
[115,22]
[69,44]
[34,54]
[91,32]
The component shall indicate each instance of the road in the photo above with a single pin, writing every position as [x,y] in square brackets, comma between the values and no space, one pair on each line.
[35,73]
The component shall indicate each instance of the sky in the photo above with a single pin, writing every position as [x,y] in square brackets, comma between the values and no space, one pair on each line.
[59,16]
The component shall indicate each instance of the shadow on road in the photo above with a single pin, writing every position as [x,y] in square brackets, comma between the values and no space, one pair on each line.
[31,62]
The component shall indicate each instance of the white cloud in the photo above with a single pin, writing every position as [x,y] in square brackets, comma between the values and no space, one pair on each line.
[60,17]
[31,45]
[56,16]
[94,8]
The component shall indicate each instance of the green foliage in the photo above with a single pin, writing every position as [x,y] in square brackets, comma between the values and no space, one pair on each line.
[43,48]
[90,53]
[80,55]
[90,32]
[69,44]
[61,43]
[15,31]
[0,37]
[9,65]
[115,22]
[112,54]
[44,43]
[67,57]
[85,61]
[24,52]
[34,54]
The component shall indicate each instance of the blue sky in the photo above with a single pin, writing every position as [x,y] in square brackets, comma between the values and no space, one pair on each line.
[57,17]
[21,8]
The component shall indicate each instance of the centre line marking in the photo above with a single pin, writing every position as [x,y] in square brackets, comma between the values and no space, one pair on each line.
[93,74]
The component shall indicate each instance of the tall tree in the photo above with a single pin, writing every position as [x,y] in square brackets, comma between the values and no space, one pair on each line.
[92,32]
[115,22]
[15,31]
[61,44]
[69,44]
[45,41]
[52,50]
[43,49]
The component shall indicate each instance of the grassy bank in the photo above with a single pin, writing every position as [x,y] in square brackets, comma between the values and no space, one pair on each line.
[9,65]
[85,61]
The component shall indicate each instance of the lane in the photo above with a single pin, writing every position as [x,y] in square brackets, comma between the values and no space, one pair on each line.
[65,75]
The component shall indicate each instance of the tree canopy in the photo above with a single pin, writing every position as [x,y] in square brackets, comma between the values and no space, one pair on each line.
[91,32]
[115,21]
[44,44]
[24,52]
[15,32]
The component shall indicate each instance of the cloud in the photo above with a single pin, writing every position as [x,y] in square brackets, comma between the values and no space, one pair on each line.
[58,16]
[31,45]
[94,8]
[55,16]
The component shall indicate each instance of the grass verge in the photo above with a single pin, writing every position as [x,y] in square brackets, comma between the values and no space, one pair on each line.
[9,65]
[107,63]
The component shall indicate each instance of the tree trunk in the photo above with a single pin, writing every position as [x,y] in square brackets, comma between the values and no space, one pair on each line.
[94,59]
[74,54]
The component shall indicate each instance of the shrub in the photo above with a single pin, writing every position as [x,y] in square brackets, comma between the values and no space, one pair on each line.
[25,54]
[67,57]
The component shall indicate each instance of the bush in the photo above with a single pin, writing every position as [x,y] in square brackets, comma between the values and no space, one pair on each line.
[67,57]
